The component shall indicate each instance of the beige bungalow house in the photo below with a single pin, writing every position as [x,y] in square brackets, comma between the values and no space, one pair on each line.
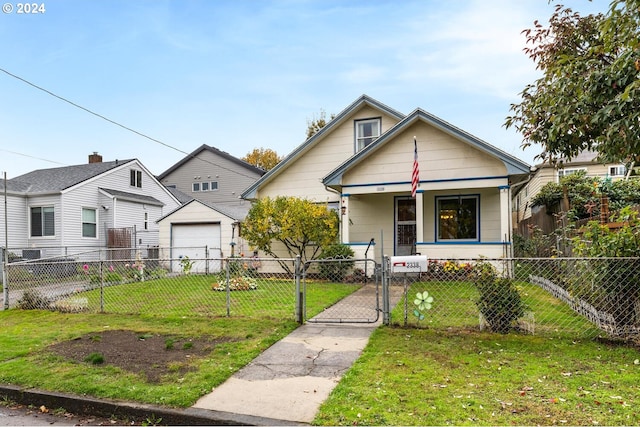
[361,164]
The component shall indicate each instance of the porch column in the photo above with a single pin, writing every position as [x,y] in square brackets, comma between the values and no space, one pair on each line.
[419,217]
[505,215]
[344,218]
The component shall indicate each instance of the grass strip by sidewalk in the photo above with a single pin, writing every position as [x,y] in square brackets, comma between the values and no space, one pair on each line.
[26,334]
[409,376]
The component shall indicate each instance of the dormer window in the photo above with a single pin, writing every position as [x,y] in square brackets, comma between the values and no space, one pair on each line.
[367,131]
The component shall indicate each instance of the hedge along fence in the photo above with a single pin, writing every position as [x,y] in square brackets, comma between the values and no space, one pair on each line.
[576,297]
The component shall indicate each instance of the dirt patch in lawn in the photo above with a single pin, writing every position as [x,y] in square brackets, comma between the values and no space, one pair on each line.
[149,354]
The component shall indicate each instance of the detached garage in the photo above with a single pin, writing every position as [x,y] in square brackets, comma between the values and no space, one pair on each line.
[198,242]
[201,231]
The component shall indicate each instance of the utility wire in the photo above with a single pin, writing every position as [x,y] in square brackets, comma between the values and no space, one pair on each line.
[33,157]
[117,124]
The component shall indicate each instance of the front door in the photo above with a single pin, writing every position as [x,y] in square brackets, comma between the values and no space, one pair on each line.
[405,226]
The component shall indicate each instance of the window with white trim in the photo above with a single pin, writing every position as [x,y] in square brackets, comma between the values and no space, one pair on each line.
[569,171]
[618,170]
[458,218]
[367,131]
[146,220]
[204,186]
[135,179]
[89,222]
[42,221]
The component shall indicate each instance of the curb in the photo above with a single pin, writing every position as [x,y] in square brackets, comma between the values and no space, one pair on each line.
[82,405]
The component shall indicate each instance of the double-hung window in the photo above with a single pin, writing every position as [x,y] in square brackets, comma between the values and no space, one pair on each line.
[458,218]
[42,221]
[367,131]
[89,222]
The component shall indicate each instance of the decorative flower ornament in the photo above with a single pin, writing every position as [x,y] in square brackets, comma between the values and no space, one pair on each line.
[423,300]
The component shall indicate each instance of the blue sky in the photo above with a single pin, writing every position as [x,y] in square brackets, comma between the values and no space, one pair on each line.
[243,74]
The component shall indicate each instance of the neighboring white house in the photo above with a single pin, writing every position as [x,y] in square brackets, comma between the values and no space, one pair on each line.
[545,173]
[360,163]
[211,175]
[66,210]
[200,230]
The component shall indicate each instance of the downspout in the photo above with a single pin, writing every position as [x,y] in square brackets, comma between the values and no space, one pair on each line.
[340,207]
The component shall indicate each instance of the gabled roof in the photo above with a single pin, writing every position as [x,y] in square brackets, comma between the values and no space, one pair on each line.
[362,101]
[132,197]
[55,180]
[514,165]
[179,195]
[234,212]
[205,147]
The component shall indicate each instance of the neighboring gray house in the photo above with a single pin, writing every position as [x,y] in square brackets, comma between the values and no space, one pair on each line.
[212,176]
[66,210]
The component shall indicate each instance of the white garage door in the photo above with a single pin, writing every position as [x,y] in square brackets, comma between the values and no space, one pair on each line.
[191,240]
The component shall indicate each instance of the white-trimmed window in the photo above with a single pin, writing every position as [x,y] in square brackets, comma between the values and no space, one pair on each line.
[146,220]
[204,186]
[42,221]
[135,178]
[618,170]
[458,218]
[367,131]
[89,222]
[569,171]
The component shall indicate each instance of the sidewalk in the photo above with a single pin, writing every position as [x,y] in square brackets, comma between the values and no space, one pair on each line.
[289,381]
[285,385]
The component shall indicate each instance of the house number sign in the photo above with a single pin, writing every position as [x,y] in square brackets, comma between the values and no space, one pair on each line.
[409,264]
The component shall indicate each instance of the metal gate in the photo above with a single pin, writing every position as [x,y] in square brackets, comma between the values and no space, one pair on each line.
[363,277]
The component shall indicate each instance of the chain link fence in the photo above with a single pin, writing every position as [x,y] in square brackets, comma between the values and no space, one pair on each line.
[574,297]
[152,287]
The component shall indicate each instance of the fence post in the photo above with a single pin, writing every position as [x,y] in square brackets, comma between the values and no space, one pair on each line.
[5,276]
[206,259]
[101,287]
[299,293]
[228,274]
[385,291]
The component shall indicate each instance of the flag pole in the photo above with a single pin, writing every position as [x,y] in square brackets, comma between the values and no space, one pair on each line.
[415,173]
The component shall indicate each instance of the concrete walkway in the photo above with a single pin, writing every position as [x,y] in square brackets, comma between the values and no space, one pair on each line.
[288,382]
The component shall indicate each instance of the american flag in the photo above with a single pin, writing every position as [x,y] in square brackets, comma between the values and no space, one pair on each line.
[415,175]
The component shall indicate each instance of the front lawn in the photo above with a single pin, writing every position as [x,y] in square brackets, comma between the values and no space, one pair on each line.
[456,376]
[180,309]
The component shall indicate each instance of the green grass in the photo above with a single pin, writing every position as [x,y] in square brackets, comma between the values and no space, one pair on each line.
[179,308]
[454,307]
[409,376]
[444,371]
[193,296]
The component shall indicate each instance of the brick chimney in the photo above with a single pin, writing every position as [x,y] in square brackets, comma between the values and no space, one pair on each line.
[95,157]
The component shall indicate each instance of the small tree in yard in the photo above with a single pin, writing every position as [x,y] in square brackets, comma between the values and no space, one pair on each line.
[302,226]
